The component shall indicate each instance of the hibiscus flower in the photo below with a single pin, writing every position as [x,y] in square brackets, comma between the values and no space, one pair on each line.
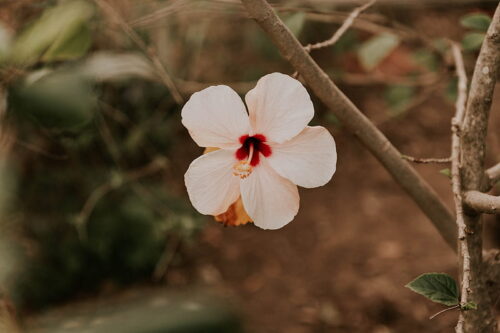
[263,154]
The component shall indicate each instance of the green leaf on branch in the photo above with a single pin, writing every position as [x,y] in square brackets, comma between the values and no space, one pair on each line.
[427,59]
[438,287]
[372,52]
[476,21]
[446,172]
[469,306]
[473,41]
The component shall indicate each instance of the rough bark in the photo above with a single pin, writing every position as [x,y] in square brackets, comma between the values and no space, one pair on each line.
[473,150]
[482,202]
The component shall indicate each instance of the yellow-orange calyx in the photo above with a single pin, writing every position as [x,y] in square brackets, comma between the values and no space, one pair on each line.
[235,215]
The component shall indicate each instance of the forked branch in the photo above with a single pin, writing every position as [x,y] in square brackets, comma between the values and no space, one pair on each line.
[482,203]
[472,154]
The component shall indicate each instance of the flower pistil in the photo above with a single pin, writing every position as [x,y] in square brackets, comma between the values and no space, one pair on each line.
[248,154]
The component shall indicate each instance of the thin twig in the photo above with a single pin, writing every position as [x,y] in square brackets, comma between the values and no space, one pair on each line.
[443,311]
[171,247]
[112,184]
[336,36]
[426,160]
[354,120]
[342,30]
[148,51]
[38,150]
[456,125]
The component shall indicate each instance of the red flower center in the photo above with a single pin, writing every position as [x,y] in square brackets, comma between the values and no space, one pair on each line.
[255,142]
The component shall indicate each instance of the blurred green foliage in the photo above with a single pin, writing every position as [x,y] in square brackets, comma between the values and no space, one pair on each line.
[478,23]
[372,52]
[58,99]
[472,41]
[160,311]
[60,33]
[427,59]
[93,124]
[398,97]
[126,232]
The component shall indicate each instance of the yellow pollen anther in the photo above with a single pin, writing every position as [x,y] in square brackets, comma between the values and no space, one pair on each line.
[243,169]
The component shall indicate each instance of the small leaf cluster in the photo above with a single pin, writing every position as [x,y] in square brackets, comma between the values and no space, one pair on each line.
[439,288]
[478,23]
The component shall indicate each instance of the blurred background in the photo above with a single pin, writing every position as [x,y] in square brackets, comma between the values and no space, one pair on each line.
[96,231]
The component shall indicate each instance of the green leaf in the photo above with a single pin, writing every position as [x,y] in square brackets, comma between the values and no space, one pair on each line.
[61,100]
[57,25]
[473,41]
[438,287]
[469,306]
[398,97]
[372,52]
[5,41]
[70,45]
[427,59]
[446,172]
[476,21]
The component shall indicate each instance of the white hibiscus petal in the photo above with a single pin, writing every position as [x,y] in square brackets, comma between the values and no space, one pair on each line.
[308,160]
[269,199]
[210,182]
[279,107]
[216,117]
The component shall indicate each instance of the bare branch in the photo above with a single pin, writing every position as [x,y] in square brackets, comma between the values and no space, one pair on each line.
[171,246]
[343,28]
[456,124]
[482,202]
[426,160]
[340,32]
[150,52]
[354,120]
[473,150]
